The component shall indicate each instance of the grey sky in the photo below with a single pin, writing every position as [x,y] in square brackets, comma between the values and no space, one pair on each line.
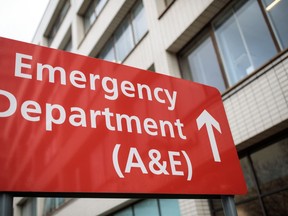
[19,19]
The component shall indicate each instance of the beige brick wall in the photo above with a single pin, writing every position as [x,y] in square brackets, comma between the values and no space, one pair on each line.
[258,107]
[196,207]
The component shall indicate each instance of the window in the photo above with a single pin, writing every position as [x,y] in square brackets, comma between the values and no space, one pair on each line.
[278,17]
[244,41]
[59,17]
[92,12]
[266,175]
[240,40]
[155,207]
[51,204]
[28,207]
[68,45]
[131,30]
[202,71]
[138,22]
[123,40]
[108,53]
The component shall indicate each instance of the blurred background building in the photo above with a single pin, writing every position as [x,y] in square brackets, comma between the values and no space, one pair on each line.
[238,46]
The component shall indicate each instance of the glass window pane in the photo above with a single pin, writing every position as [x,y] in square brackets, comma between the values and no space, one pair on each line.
[139,23]
[216,204]
[68,45]
[278,16]
[203,72]
[100,5]
[146,207]
[169,207]
[124,40]
[125,212]
[90,15]
[277,204]
[51,204]
[58,20]
[220,213]
[108,52]
[28,208]
[271,166]
[252,208]
[244,40]
[248,175]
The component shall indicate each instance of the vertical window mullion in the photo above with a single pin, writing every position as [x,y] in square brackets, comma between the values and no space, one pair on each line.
[257,184]
[159,208]
[243,39]
[114,47]
[133,211]
[132,27]
[216,48]
[276,42]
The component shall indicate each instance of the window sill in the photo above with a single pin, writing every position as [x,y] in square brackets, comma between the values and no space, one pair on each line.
[256,74]
[166,9]
[136,45]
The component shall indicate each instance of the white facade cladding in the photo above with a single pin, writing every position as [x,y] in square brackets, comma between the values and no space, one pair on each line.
[240,47]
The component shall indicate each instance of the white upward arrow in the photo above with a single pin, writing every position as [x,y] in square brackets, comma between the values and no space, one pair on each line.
[206,119]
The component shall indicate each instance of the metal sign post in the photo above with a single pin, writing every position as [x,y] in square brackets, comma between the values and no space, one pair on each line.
[229,206]
[6,204]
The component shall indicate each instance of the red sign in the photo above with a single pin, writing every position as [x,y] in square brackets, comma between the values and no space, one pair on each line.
[71,123]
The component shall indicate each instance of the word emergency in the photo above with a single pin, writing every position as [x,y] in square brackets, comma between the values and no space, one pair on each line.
[78,79]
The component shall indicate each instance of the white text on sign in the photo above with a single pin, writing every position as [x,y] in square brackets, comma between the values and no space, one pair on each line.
[156,166]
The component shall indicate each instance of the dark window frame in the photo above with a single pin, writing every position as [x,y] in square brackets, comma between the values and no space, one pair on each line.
[246,153]
[208,30]
[113,39]
[58,20]
[87,29]
[132,206]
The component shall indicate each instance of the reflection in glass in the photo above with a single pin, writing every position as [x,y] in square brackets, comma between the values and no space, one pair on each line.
[204,65]
[248,175]
[90,15]
[108,53]
[92,12]
[252,208]
[244,40]
[278,16]
[271,166]
[277,204]
[169,207]
[131,30]
[51,204]
[216,204]
[100,5]
[124,40]
[147,207]
[28,207]
[220,213]
[139,23]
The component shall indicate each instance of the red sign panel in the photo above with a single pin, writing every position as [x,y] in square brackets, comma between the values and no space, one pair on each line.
[71,123]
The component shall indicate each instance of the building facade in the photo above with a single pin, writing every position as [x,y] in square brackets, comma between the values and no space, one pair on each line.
[238,46]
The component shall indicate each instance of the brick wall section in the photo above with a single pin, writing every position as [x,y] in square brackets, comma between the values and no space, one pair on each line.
[258,107]
[195,207]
